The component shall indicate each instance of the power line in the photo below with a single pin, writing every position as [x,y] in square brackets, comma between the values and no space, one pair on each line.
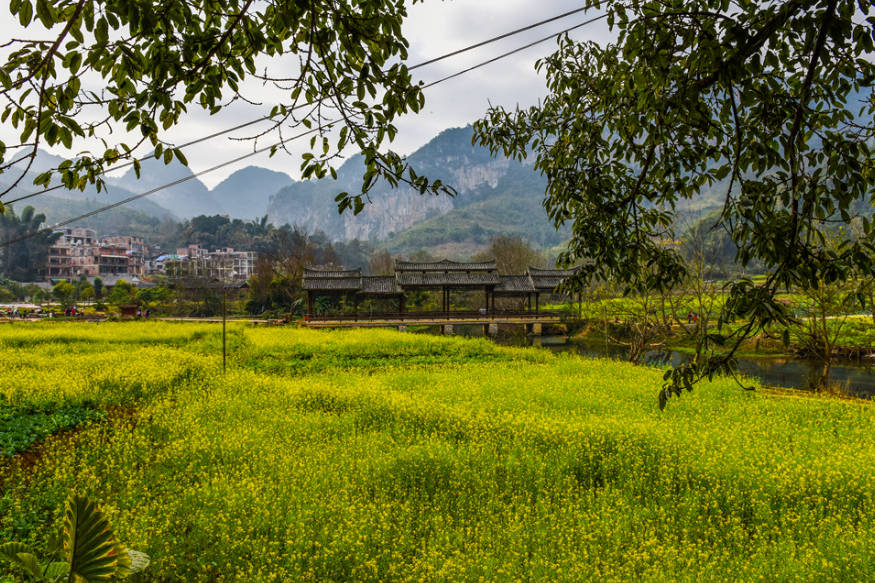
[497,38]
[514,51]
[162,187]
[144,158]
[266,148]
[267,117]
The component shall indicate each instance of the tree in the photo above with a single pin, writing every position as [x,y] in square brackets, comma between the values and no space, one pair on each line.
[512,254]
[122,293]
[824,315]
[64,291]
[89,69]
[23,259]
[381,263]
[770,102]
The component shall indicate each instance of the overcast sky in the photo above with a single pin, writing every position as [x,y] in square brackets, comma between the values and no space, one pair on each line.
[433,28]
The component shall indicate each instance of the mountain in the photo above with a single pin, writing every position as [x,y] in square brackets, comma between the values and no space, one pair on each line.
[245,194]
[76,202]
[449,157]
[186,200]
[122,220]
[511,207]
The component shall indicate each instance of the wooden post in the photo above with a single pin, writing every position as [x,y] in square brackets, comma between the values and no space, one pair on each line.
[309,304]
[537,303]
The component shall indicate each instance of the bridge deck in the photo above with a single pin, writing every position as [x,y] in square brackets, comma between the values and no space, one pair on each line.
[414,319]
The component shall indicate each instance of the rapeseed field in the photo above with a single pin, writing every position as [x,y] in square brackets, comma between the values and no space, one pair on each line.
[382,456]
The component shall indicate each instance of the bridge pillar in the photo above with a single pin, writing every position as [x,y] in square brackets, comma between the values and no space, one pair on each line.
[402,328]
[490,329]
[447,329]
[534,328]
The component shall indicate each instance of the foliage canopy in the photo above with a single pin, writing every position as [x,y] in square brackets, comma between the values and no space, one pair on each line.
[138,65]
[771,101]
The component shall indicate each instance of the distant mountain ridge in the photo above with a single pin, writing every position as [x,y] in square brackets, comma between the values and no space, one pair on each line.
[482,182]
[495,196]
[244,194]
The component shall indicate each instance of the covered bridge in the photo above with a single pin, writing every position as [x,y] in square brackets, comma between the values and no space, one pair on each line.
[444,276]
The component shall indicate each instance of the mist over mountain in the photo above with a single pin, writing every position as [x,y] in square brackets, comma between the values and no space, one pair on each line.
[187,199]
[495,195]
[245,194]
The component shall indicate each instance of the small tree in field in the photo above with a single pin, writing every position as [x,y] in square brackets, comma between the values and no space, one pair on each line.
[63,291]
[122,293]
[824,315]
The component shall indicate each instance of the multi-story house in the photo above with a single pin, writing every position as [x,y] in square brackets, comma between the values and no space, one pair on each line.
[223,264]
[59,262]
[133,247]
[79,253]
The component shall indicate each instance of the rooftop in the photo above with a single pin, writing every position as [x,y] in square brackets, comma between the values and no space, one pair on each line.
[433,275]
[445,265]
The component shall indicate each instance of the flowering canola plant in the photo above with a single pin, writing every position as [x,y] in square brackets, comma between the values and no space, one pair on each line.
[368,455]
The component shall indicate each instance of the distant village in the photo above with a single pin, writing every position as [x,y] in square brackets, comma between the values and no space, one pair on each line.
[79,253]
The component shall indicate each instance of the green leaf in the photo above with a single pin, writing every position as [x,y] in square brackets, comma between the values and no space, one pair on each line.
[25,13]
[28,562]
[10,551]
[44,13]
[89,545]
[56,569]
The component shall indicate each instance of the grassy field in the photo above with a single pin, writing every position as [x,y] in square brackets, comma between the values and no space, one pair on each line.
[381,456]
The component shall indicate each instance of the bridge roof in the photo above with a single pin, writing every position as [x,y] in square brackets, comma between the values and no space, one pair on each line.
[433,279]
[432,275]
[445,265]
[380,285]
[549,279]
[332,279]
[515,284]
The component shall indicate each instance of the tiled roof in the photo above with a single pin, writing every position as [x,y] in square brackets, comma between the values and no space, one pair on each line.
[515,284]
[449,278]
[332,279]
[380,285]
[332,273]
[549,279]
[445,265]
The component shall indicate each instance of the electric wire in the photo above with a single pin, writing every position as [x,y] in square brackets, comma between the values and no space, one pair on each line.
[266,148]
[514,51]
[267,117]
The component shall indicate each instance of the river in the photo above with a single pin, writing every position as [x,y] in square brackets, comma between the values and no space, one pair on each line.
[848,378]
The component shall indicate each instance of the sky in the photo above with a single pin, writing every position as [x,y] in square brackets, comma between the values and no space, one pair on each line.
[433,28]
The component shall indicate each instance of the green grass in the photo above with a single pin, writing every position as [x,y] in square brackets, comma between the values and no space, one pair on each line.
[477,463]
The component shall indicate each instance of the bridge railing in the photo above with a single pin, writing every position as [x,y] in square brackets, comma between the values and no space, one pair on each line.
[438,315]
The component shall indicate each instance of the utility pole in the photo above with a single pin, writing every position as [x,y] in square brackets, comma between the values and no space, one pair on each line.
[224,320]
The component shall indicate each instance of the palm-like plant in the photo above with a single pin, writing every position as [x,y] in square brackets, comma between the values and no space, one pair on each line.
[85,551]
[22,260]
